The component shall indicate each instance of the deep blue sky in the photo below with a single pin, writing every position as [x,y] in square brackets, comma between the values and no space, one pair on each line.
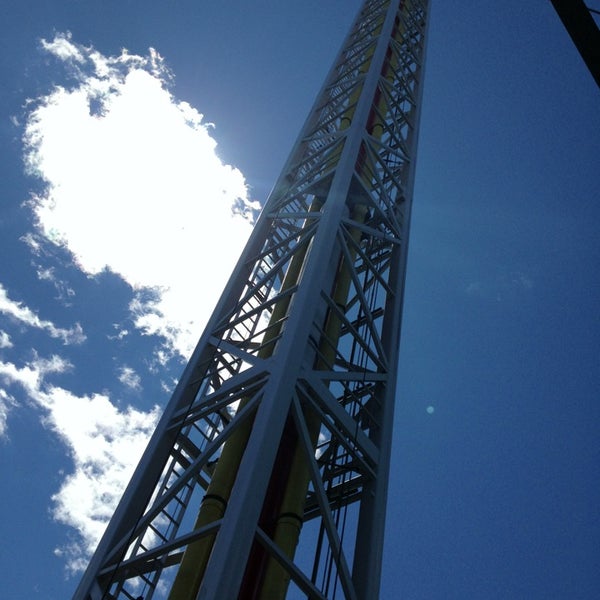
[494,490]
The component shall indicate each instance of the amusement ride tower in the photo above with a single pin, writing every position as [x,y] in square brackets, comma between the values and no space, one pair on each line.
[266,477]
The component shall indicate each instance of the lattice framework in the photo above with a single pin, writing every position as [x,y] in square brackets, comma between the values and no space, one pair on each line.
[299,357]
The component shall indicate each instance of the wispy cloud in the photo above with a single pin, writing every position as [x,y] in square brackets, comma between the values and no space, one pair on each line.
[129,378]
[64,291]
[29,377]
[5,341]
[28,317]
[62,47]
[104,442]
[6,403]
[133,184]
[501,286]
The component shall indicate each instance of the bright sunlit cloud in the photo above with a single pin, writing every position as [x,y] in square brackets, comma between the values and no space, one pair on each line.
[133,184]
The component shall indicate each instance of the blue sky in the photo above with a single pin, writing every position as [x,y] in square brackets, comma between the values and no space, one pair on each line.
[118,228]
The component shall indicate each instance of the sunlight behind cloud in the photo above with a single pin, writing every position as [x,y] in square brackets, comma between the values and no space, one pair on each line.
[133,184]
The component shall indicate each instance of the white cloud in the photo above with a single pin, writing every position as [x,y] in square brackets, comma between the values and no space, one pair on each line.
[29,377]
[129,378]
[5,340]
[105,444]
[64,291]
[62,47]
[25,315]
[134,184]
[6,402]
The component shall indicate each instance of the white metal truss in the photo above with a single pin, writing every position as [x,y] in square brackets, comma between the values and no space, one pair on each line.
[297,365]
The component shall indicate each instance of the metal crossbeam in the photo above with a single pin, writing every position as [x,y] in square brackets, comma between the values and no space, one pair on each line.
[583,29]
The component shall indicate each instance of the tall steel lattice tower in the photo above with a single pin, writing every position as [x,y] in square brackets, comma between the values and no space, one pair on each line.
[267,475]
